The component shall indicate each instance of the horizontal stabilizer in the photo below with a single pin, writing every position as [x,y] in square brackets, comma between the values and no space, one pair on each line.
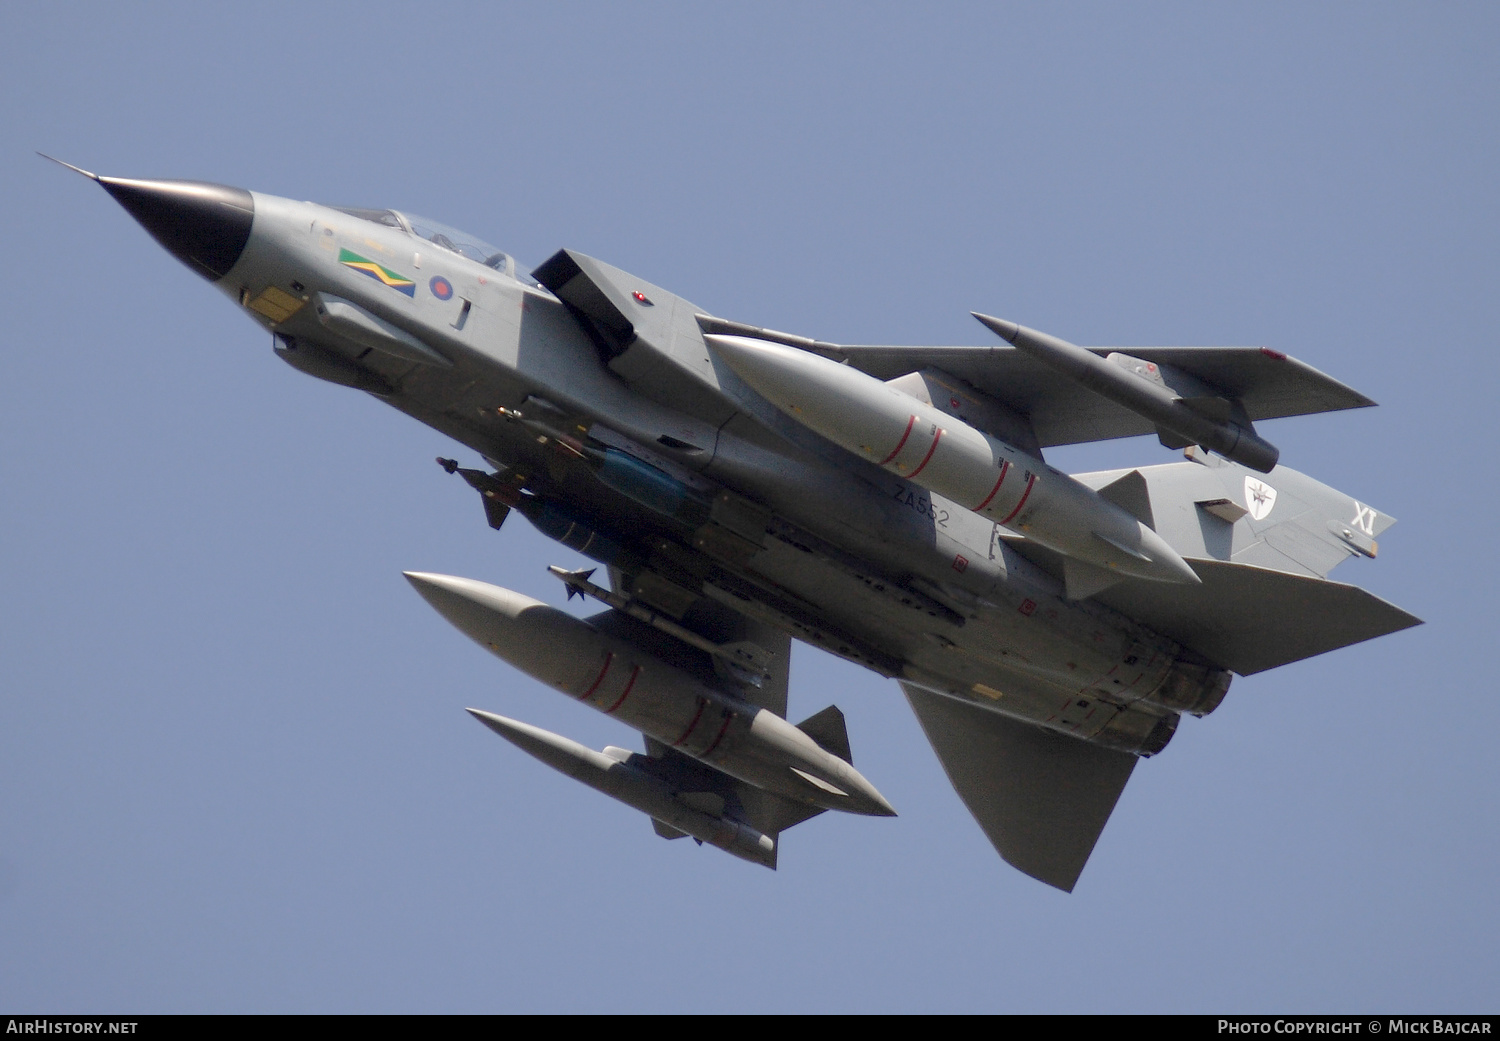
[1249,619]
[1041,798]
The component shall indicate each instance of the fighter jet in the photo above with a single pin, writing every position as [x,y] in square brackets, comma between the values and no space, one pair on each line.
[742,488]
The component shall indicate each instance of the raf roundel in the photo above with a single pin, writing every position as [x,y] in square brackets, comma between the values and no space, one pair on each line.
[441,287]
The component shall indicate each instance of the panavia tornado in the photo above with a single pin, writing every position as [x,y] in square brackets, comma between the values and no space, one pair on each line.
[742,488]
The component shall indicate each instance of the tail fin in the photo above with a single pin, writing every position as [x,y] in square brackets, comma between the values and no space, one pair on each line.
[1214,509]
[1263,544]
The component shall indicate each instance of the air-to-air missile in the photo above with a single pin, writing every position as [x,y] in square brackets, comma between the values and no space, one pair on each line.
[630,778]
[946,455]
[1177,402]
[620,678]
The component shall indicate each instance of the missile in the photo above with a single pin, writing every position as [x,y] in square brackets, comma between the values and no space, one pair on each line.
[1129,382]
[622,679]
[502,495]
[634,478]
[615,773]
[946,455]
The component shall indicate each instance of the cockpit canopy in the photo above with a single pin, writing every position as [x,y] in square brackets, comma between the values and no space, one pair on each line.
[451,239]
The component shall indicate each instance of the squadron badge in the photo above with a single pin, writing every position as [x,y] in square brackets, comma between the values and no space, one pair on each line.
[1259,498]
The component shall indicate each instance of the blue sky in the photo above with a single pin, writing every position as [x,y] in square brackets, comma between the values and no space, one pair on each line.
[235,770]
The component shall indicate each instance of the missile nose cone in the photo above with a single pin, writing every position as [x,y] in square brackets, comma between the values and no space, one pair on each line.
[866,798]
[203,225]
[862,796]
[1167,563]
[1185,573]
[515,627]
[465,603]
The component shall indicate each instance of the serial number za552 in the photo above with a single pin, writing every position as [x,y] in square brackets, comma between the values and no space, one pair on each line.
[922,504]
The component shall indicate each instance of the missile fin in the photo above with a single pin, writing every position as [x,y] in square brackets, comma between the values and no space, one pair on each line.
[1082,580]
[828,730]
[766,812]
[1132,495]
[1171,440]
[666,831]
[772,814]
[818,782]
[497,494]
[495,513]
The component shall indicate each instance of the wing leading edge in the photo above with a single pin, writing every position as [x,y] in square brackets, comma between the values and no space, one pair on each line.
[1063,411]
[1269,384]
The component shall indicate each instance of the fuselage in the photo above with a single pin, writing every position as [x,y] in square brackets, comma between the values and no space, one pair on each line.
[645,454]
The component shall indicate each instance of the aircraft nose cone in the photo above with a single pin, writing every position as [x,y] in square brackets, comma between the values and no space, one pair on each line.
[203,225]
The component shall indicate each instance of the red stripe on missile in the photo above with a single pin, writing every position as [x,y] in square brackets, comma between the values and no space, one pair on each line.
[928,457]
[1029,482]
[728,718]
[1004,469]
[902,443]
[624,693]
[702,704]
[609,659]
